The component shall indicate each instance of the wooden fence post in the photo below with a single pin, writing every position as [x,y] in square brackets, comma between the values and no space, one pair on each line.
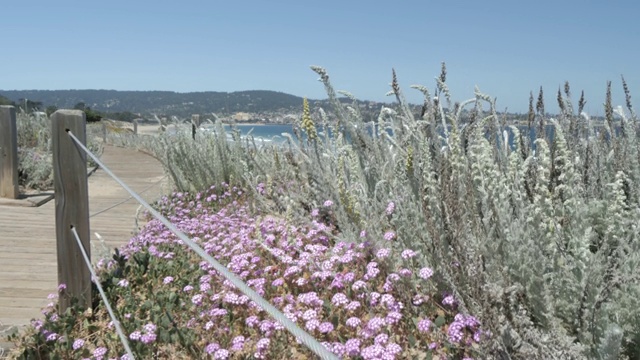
[72,206]
[195,123]
[135,126]
[104,132]
[8,153]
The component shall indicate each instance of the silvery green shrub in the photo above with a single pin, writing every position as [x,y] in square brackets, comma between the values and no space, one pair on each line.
[537,236]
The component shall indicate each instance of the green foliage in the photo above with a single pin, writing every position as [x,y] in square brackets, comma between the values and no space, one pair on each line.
[91,115]
[5,101]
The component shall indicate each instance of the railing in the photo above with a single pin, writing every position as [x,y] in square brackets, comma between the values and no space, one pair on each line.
[68,133]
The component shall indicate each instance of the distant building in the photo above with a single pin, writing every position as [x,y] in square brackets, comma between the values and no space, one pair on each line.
[241,116]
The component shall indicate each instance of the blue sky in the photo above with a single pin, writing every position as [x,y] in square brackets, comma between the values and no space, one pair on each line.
[507,48]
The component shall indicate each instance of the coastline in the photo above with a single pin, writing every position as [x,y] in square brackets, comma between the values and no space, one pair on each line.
[256,124]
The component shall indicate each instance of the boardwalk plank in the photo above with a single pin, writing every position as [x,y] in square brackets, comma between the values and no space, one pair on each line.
[28,268]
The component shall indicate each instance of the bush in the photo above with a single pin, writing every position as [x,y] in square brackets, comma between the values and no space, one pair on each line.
[534,235]
[194,312]
[35,163]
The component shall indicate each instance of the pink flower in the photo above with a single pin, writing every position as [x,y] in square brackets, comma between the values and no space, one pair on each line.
[77,344]
[424,325]
[353,322]
[389,235]
[448,300]
[408,254]
[391,207]
[425,273]
[325,327]
[383,253]
[339,299]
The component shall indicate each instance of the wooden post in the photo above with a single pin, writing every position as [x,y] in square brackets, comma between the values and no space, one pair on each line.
[195,123]
[72,205]
[104,132]
[8,153]
[163,124]
[135,126]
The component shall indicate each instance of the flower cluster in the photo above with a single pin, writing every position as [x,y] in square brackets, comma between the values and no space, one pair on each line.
[366,308]
[146,336]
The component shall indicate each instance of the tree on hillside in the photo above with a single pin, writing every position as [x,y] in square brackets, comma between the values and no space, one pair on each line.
[51,109]
[92,116]
[5,101]
[30,105]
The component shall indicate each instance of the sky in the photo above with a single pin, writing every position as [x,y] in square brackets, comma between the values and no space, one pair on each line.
[506,48]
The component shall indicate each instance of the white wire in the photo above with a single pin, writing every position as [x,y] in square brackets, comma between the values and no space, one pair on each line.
[96,281]
[308,340]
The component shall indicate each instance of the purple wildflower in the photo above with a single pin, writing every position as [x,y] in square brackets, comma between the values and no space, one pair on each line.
[197,299]
[325,327]
[424,325]
[372,352]
[78,343]
[393,349]
[375,323]
[393,317]
[455,331]
[148,338]
[309,315]
[339,299]
[99,352]
[353,305]
[353,322]
[381,339]
[383,253]
[263,344]
[352,347]
[221,354]
[237,343]
[425,273]
[391,207]
[312,324]
[211,348]
[252,321]
[408,254]
[448,300]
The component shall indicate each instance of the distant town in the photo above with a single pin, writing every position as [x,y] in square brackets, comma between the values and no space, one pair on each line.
[255,106]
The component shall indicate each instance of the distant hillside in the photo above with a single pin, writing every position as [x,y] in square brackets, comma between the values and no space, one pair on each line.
[162,102]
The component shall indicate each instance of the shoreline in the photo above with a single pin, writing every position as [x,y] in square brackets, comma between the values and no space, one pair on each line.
[256,124]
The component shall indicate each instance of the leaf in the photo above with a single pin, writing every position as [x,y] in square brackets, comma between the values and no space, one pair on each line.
[412,341]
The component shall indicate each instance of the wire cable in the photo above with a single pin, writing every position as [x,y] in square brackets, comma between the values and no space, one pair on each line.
[127,199]
[96,281]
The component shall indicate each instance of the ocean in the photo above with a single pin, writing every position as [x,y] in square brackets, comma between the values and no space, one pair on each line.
[274,133]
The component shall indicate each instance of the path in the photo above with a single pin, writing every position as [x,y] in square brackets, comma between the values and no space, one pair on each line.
[28,267]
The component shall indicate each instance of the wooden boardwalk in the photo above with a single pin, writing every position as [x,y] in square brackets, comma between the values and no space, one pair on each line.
[28,268]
